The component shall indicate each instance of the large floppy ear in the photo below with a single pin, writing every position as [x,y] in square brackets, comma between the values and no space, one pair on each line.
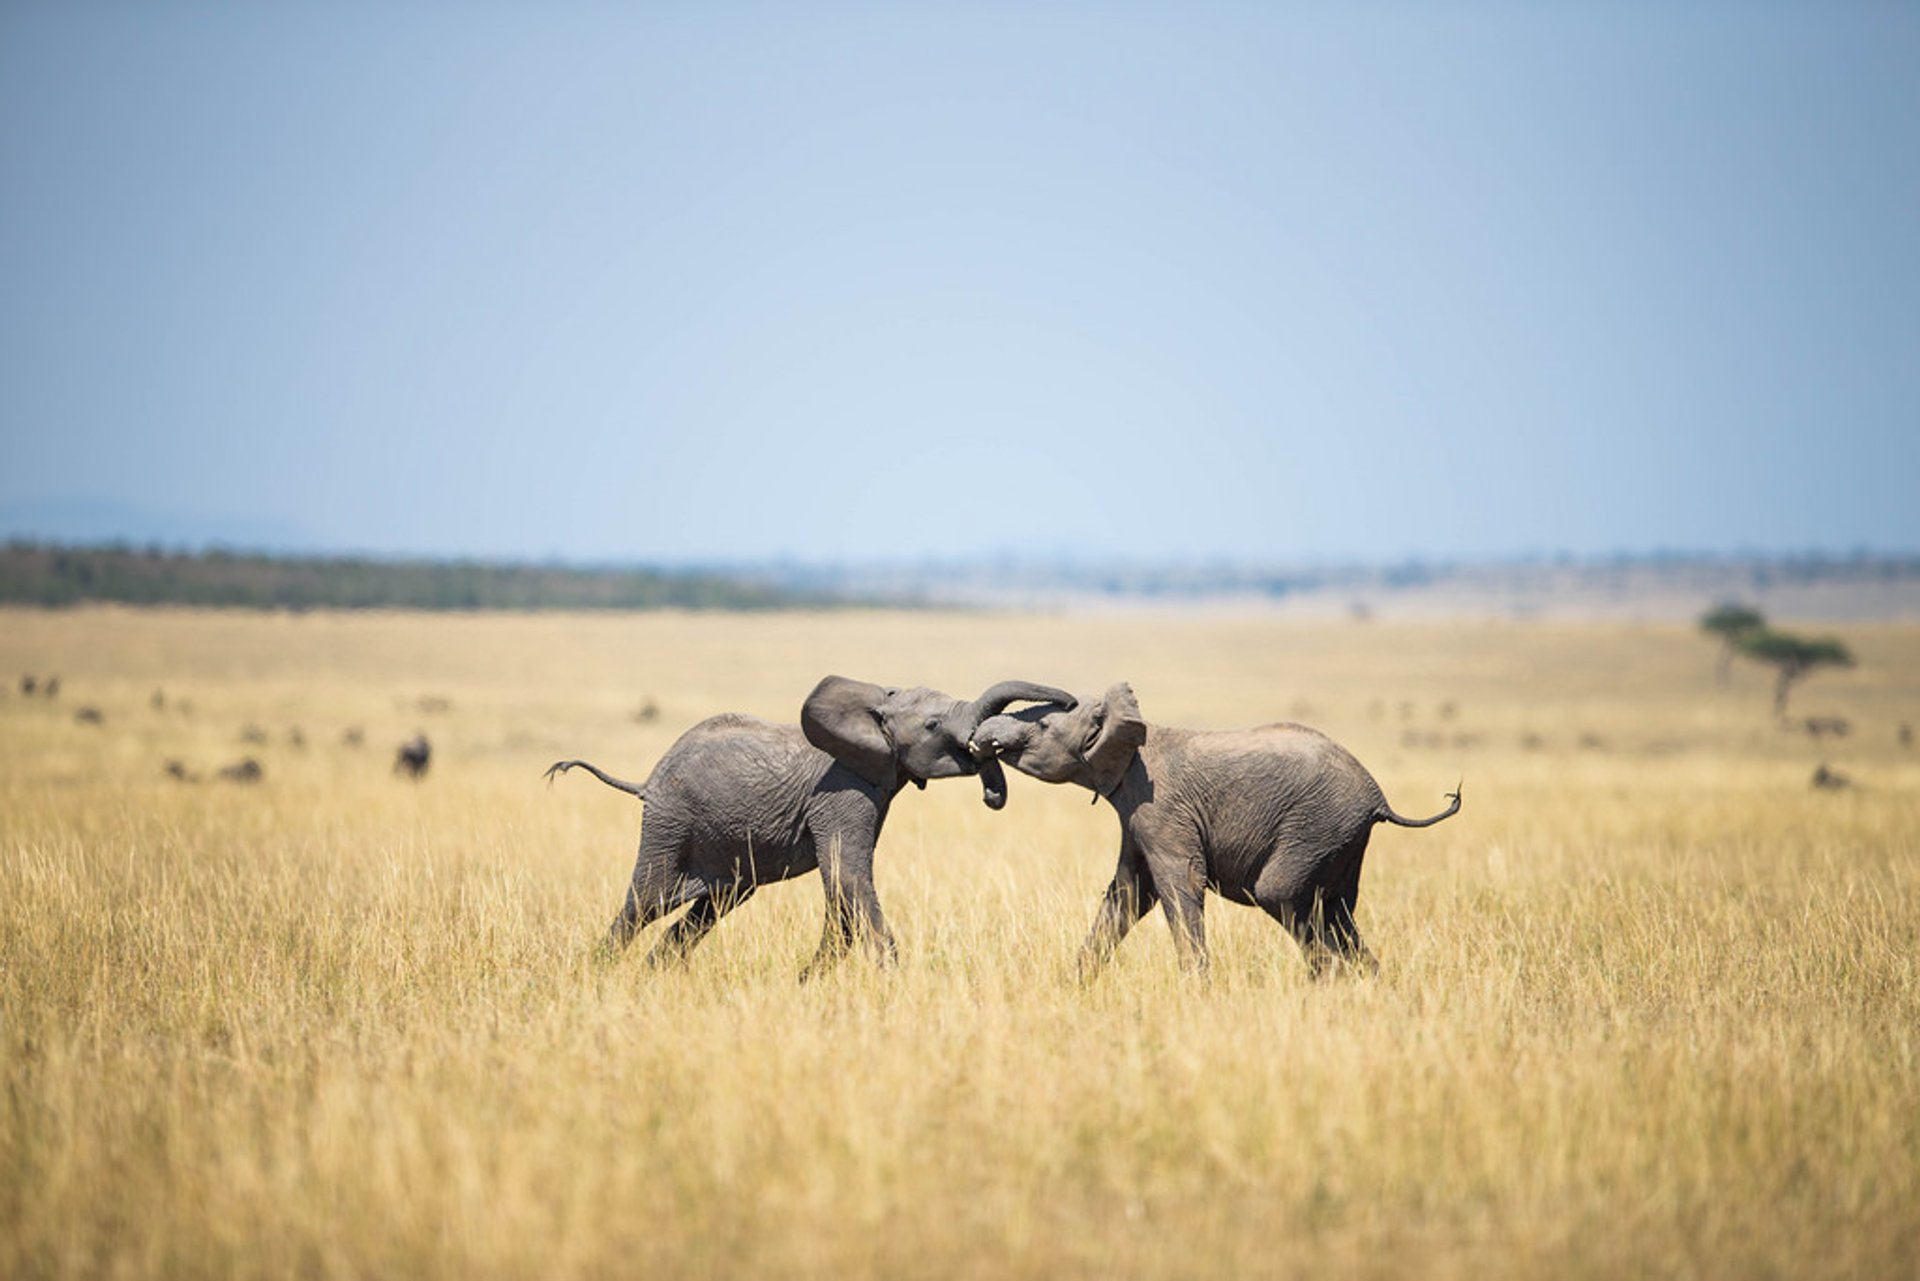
[845,719]
[1120,734]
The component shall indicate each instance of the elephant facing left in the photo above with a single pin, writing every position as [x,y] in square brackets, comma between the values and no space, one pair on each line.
[738,802]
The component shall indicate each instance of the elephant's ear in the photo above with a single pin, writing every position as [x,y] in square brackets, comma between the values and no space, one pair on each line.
[846,720]
[1120,734]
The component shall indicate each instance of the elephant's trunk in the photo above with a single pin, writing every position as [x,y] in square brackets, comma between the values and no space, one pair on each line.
[993,782]
[997,699]
[993,779]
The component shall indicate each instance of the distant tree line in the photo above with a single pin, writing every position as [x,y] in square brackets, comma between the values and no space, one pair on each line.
[40,574]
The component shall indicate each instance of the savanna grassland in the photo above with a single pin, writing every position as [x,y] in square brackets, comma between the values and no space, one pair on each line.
[1647,1005]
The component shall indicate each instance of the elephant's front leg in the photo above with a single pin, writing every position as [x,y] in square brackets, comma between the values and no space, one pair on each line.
[1130,896]
[1180,877]
[853,905]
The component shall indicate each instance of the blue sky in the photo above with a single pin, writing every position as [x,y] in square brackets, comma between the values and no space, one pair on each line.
[1271,283]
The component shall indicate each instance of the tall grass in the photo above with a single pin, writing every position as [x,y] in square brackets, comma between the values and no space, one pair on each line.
[1647,1005]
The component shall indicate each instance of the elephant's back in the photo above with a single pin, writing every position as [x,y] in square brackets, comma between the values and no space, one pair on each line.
[732,759]
[1281,746]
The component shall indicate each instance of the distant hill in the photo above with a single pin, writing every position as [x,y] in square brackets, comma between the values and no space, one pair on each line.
[39,574]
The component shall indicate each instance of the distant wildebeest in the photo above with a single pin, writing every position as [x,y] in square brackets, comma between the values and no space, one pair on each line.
[1278,817]
[245,770]
[52,687]
[1831,780]
[1906,734]
[158,702]
[738,802]
[177,769]
[29,685]
[413,757]
[353,737]
[253,736]
[646,713]
[1822,726]
[297,738]
[89,716]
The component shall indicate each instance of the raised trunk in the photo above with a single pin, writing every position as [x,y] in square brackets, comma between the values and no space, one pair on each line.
[998,697]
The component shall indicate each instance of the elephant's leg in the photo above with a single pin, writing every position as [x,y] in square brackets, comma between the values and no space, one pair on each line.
[658,887]
[1130,896]
[1172,853]
[1340,935]
[685,934]
[1292,897]
[836,940]
[853,906]
[1312,896]
[1180,879]
[647,903]
[1186,917]
[1321,922]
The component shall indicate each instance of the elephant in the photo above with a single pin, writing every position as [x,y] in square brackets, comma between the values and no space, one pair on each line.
[738,802]
[1277,817]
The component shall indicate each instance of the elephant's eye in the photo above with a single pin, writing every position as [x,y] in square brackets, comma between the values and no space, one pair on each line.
[933,722]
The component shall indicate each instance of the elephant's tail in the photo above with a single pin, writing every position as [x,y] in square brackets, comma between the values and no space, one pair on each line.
[1385,813]
[618,784]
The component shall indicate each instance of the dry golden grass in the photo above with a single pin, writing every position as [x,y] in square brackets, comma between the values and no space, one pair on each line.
[1647,1005]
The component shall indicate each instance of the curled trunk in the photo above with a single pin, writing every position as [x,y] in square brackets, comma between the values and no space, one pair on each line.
[993,779]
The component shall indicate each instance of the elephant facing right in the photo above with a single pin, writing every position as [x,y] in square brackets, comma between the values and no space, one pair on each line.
[1278,817]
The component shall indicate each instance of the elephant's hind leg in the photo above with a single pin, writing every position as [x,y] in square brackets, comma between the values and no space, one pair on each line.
[658,887]
[644,906]
[1342,937]
[1319,914]
[1296,918]
[1340,934]
[685,934]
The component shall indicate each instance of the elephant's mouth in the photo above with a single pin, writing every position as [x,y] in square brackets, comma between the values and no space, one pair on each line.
[993,783]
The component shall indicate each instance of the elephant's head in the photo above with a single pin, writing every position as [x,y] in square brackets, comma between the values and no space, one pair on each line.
[891,737]
[1091,744]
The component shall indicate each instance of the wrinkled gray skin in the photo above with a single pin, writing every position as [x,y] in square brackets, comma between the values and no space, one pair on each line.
[1277,816]
[739,802]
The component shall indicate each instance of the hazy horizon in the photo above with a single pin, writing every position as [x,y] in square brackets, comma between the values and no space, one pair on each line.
[1284,286]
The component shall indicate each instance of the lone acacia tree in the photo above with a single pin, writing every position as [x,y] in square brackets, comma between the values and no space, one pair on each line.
[1730,621]
[1792,658]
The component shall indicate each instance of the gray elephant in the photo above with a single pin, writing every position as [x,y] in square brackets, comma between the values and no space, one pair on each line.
[738,802]
[1277,816]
